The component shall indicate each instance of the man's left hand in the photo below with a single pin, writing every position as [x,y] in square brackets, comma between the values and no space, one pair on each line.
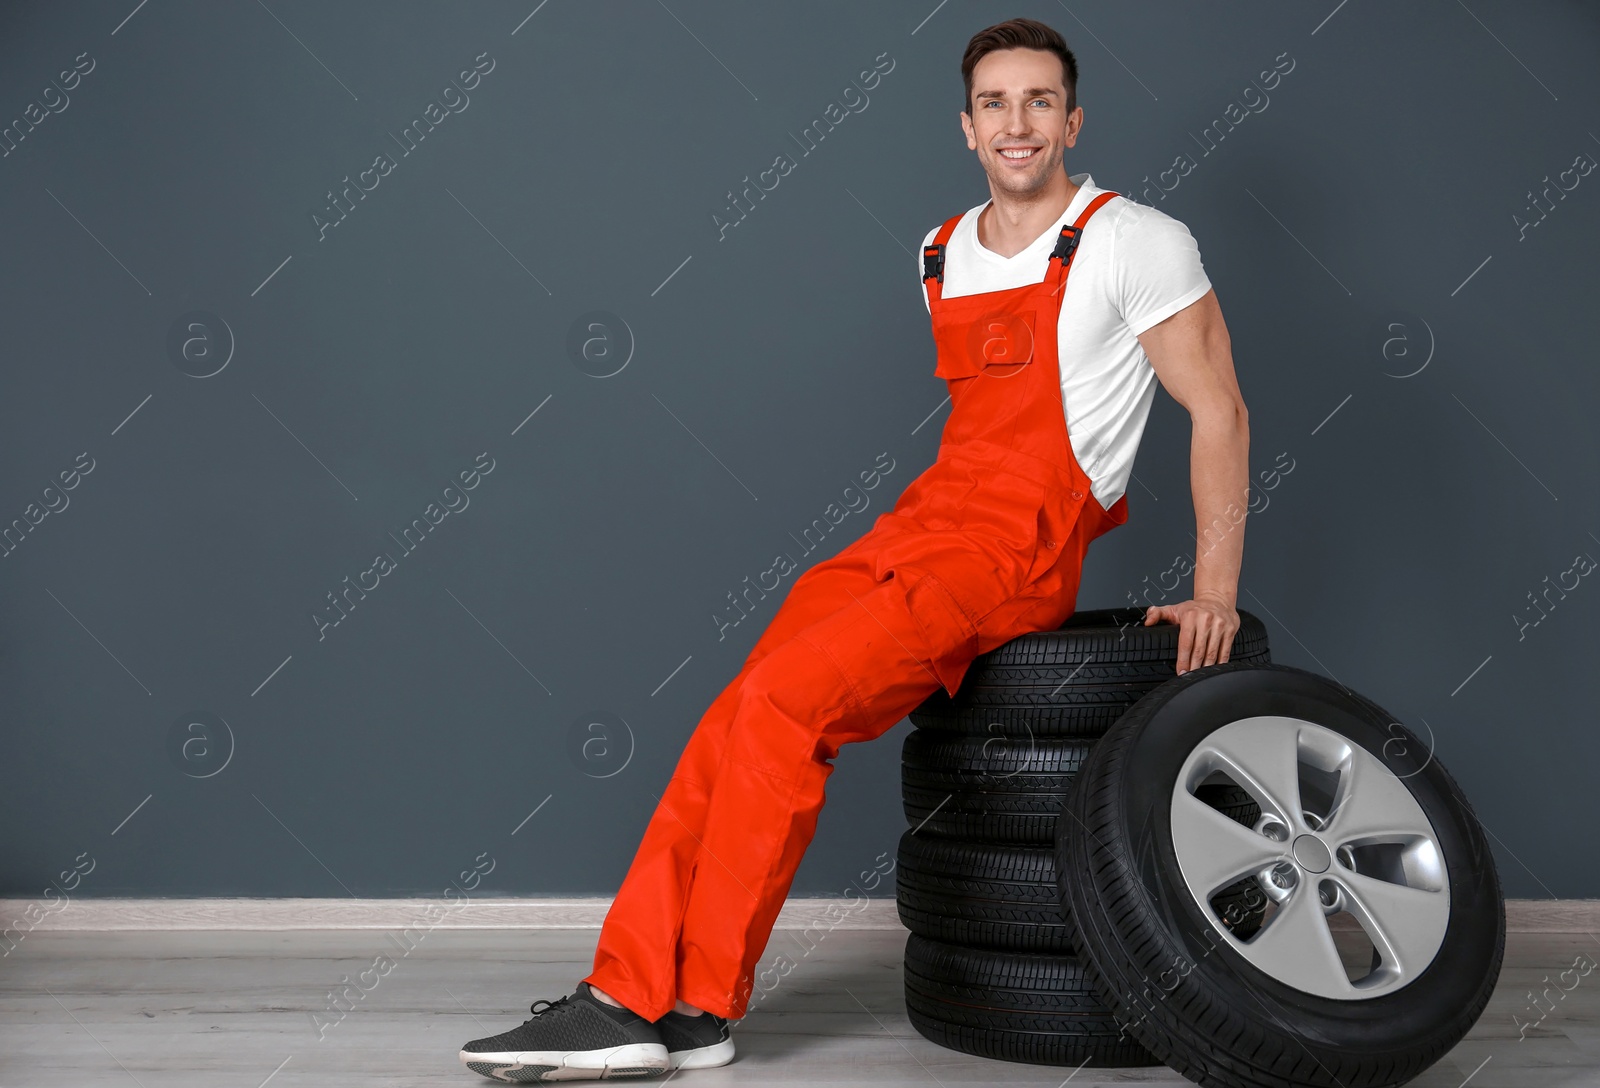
[1206,630]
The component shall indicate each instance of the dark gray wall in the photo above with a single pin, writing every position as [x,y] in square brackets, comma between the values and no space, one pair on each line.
[160,222]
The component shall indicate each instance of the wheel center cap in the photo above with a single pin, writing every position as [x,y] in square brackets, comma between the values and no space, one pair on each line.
[1312,854]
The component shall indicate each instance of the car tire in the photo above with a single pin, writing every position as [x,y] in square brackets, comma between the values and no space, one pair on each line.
[1075,681]
[1358,818]
[1003,896]
[999,789]
[1014,1007]
[985,895]
[1002,789]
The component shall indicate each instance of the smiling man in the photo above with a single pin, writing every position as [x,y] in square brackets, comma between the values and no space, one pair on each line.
[1050,383]
[1139,308]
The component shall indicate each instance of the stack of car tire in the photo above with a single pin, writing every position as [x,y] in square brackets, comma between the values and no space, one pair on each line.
[1248,872]
[989,965]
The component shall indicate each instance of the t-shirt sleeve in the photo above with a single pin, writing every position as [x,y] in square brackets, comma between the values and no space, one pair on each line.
[1156,269]
[926,242]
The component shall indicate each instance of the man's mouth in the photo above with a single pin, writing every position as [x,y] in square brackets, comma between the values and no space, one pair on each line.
[1018,154]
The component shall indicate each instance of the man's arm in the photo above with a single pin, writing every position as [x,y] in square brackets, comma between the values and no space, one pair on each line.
[1193,357]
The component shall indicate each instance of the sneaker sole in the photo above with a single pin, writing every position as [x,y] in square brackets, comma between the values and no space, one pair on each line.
[702,1057]
[540,1066]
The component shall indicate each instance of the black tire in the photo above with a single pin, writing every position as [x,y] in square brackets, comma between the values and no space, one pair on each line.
[992,789]
[1075,681]
[1012,1006]
[1183,983]
[1002,896]
[986,895]
[1002,789]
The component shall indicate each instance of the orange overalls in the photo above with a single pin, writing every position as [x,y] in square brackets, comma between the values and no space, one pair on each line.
[985,545]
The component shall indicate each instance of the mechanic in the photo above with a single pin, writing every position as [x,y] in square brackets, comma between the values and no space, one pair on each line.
[1051,380]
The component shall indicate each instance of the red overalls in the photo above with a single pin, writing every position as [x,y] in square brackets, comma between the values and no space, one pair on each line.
[985,545]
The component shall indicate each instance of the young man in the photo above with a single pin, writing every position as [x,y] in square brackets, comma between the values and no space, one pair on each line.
[1050,382]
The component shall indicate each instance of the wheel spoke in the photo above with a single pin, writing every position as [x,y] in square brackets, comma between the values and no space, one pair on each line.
[1374,806]
[1263,757]
[1410,922]
[1297,947]
[1214,850]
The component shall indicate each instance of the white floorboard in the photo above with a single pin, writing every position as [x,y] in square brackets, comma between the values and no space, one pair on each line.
[218,1009]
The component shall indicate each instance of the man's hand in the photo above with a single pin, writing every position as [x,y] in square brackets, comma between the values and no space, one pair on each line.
[1206,630]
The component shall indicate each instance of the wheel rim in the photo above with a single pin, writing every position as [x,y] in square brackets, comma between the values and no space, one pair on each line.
[1338,833]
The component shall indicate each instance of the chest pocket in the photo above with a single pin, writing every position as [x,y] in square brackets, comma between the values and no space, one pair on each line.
[999,344]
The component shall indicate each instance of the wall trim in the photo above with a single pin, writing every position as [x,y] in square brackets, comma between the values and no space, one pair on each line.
[104,914]
[21,916]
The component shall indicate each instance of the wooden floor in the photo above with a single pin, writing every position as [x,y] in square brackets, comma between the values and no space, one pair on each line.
[235,1010]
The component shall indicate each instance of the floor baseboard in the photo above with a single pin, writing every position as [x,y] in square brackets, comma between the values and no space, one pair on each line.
[19,916]
[105,914]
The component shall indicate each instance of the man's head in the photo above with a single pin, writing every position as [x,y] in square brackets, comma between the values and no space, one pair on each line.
[1021,95]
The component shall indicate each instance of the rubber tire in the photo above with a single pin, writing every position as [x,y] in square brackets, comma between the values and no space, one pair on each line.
[1222,1022]
[991,789]
[1002,789]
[1075,681]
[1012,1006]
[1001,896]
[985,895]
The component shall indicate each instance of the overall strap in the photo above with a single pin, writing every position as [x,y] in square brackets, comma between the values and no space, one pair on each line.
[1065,248]
[1067,244]
[933,258]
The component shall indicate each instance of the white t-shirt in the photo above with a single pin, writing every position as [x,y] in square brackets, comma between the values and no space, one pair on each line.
[1135,267]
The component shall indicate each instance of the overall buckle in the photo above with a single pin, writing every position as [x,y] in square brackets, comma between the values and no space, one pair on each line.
[933,262]
[1066,243]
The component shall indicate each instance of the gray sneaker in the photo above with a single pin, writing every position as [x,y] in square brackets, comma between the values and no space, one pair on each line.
[695,1042]
[571,1038]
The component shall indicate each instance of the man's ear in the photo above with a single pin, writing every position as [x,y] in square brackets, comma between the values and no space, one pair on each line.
[1074,130]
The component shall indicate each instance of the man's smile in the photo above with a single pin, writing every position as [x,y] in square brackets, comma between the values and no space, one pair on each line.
[1019,154]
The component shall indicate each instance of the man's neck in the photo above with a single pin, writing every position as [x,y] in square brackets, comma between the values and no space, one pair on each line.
[1008,225]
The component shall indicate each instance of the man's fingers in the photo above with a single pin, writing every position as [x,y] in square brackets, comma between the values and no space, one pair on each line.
[1203,637]
[1205,650]
[1219,641]
[1202,653]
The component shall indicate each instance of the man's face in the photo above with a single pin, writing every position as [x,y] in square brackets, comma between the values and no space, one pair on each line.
[1019,105]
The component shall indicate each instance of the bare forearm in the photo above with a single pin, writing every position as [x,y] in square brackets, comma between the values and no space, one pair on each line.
[1193,358]
[1219,475]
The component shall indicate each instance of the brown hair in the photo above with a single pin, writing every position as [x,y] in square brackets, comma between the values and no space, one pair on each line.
[1020,34]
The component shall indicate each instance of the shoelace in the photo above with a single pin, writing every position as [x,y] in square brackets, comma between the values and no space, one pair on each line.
[548,1006]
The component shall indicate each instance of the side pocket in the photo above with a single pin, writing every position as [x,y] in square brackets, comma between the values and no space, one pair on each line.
[949,634]
[1058,520]
[1005,509]
[1048,547]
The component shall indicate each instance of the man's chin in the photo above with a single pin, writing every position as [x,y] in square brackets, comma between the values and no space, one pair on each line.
[1012,185]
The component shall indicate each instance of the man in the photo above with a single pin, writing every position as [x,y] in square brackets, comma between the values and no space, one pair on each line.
[1050,382]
